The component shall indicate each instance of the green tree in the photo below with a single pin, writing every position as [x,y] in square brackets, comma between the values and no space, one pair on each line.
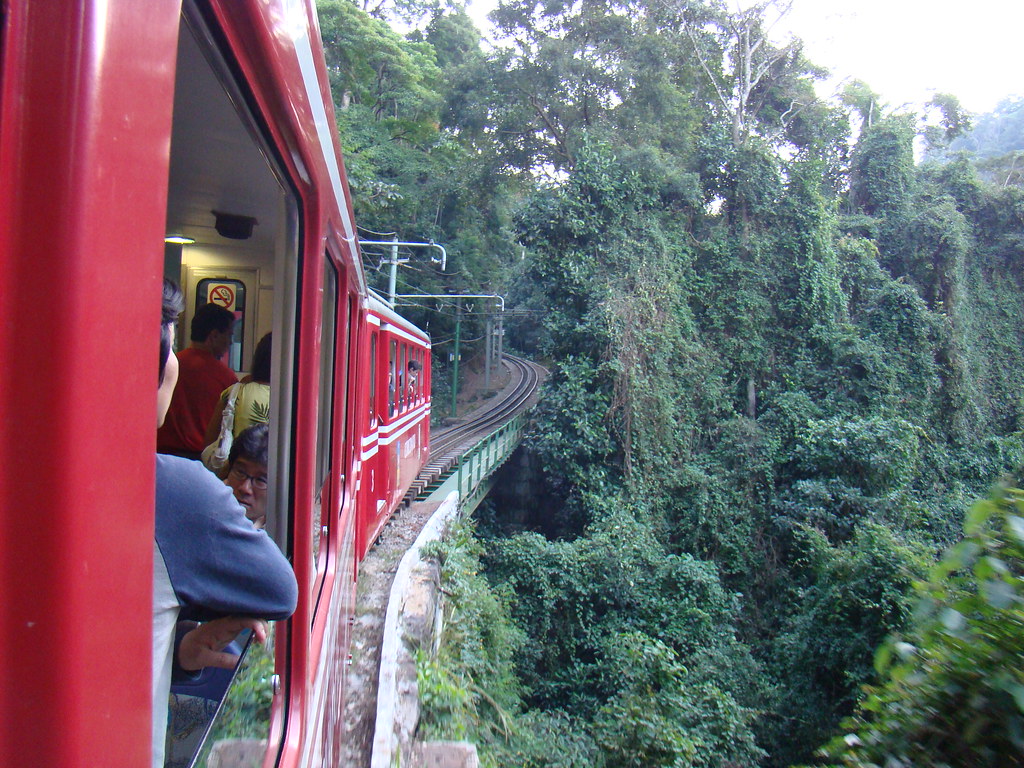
[864,102]
[607,67]
[386,99]
[745,66]
[945,120]
[882,170]
[664,717]
[844,601]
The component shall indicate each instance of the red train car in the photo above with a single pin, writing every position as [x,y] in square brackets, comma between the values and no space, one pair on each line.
[123,124]
[396,442]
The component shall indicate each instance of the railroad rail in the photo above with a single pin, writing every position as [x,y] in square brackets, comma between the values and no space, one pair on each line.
[447,444]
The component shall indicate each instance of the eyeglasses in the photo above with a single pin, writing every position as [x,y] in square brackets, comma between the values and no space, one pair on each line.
[258,481]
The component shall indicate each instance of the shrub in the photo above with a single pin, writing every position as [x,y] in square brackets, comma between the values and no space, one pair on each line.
[953,693]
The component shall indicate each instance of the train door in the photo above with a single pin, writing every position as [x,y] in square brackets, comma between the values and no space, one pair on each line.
[85,93]
[235,220]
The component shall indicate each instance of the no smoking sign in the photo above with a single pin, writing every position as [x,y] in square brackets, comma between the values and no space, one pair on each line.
[223,295]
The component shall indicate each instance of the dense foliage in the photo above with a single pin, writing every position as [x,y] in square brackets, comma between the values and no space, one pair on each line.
[785,356]
[953,690]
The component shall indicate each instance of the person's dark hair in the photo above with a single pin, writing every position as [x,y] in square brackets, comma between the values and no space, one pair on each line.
[261,361]
[414,365]
[252,445]
[209,318]
[170,308]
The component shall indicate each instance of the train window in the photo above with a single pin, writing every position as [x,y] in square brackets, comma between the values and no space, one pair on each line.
[413,374]
[399,377]
[373,378]
[347,328]
[392,377]
[230,294]
[328,355]
[320,520]
[402,373]
[348,324]
[409,375]
[419,375]
[411,386]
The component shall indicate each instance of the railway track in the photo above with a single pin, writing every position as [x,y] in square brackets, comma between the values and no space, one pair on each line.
[447,444]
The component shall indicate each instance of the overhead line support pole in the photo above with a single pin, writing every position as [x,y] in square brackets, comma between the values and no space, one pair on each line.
[393,244]
[501,336]
[488,350]
[455,365]
[393,274]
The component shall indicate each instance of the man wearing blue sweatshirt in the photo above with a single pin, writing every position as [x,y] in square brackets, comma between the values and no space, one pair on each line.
[208,558]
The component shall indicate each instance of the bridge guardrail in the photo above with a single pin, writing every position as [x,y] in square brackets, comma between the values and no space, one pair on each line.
[487,455]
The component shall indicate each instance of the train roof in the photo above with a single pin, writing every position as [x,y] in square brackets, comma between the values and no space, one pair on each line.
[385,312]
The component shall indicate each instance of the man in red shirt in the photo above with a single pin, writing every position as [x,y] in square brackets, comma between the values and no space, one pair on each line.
[201,379]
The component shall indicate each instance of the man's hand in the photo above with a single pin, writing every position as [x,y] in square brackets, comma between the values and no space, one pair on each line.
[204,646]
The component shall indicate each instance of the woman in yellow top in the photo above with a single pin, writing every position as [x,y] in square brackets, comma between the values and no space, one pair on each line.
[252,403]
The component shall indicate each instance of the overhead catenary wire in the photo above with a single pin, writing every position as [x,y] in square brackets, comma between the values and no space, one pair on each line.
[464,312]
[451,300]
[449,341]
[435,306]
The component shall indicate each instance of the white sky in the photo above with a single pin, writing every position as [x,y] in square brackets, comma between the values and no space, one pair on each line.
[906,50]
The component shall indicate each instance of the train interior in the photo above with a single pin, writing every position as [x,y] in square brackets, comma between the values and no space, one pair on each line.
[232,238]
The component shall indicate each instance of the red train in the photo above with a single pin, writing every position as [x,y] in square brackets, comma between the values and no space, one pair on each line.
[195,140]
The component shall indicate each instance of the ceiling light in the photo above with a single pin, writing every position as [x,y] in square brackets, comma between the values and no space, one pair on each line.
[179,240]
